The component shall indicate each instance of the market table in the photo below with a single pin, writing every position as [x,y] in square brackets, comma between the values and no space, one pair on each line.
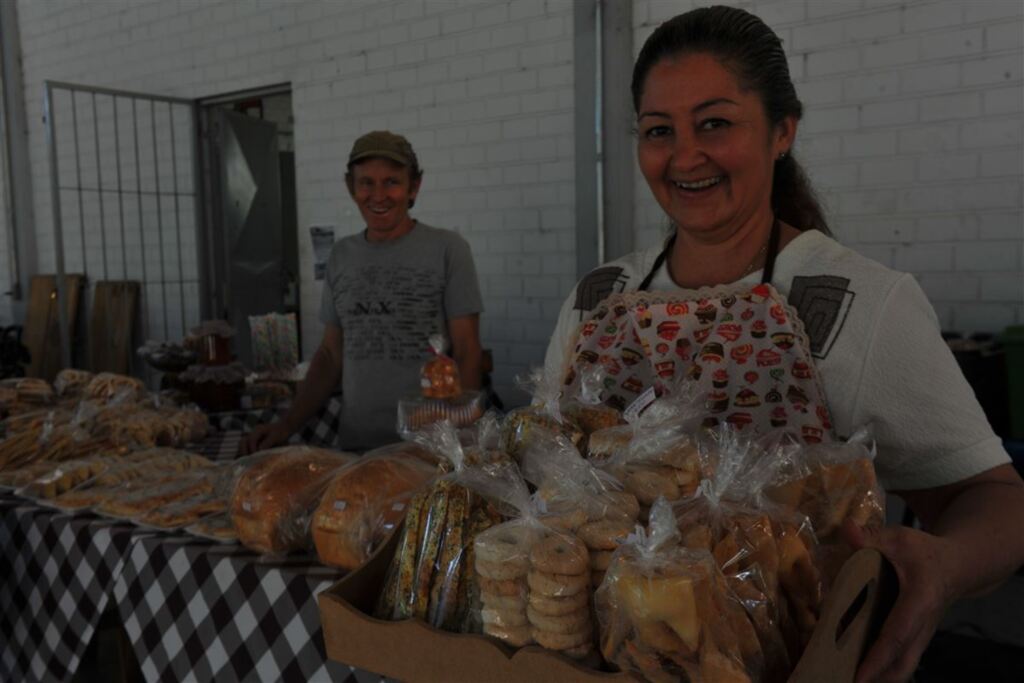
[193,609]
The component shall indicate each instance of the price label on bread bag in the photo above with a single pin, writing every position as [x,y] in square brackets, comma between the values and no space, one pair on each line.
[340,505]
[398,507]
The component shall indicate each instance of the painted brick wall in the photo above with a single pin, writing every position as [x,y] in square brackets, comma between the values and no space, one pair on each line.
[482,89]
[912,136]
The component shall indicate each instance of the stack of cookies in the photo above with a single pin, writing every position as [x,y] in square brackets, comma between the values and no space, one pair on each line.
[559,595]
[602,537]
[502,565]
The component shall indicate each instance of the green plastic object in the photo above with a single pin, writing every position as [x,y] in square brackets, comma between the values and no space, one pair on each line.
[1012,340]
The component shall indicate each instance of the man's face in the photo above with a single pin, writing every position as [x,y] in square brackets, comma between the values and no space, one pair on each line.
[383,190]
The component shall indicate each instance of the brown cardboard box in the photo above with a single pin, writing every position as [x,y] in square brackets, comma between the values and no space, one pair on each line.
[412,651]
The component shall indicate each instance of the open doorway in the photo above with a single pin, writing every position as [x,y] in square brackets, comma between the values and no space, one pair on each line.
[249,173]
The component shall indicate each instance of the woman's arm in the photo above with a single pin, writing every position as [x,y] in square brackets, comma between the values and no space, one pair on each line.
[972,540]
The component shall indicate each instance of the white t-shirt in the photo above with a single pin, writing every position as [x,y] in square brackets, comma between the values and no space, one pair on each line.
[876,343]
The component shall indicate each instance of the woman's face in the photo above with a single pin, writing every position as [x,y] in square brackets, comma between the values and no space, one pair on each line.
[706,147]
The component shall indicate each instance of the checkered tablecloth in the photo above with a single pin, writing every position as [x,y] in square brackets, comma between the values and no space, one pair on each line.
[321,430]
[196,609]
[193,609]
[57,573]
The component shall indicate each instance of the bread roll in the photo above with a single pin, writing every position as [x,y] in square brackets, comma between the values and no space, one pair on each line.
[363,503]
[273,498]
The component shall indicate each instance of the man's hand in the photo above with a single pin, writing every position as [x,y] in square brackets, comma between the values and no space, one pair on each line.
[263,437]
[921,561]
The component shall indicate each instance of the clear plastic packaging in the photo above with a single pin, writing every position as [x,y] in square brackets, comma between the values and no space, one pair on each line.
[366,499]
[216,527]
[136,501]
[70,382]
[431,575]
[586,408]
[275,495]
[543,415]
[829,483]
[416,413]
[108,385]
[666,613]
[439,377]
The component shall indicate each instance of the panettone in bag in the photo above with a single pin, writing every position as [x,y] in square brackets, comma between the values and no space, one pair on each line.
[439,377]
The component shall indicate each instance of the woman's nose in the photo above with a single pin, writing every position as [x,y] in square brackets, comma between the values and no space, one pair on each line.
[686,153]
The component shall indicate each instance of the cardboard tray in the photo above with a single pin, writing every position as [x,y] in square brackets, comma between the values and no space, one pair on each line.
[411,650]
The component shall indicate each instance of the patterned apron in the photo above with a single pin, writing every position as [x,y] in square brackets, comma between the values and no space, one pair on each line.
[744,346]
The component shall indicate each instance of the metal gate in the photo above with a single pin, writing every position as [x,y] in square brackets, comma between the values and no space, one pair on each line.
[126,194]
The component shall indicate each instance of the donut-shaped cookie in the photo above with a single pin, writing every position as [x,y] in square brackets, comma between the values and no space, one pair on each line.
[562,641]
[516,636]
[565,623]
[508,543]
[500,572]
[508,587]
[568,520]
[560,554]
[503,602]
[604,535]
[505,618]
[556,585]
[556,607]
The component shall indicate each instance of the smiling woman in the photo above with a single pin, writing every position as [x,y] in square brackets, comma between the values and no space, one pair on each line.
[851,342]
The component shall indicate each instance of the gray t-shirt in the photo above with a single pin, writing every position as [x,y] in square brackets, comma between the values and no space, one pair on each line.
[388,298]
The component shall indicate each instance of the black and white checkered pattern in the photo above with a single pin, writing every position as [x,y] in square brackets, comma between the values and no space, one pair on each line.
[199,610]
[56,577]
[193,609]
[321,430]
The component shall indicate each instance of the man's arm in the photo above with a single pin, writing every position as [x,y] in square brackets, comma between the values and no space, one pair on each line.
[324,373]
[971,542]
[464,334]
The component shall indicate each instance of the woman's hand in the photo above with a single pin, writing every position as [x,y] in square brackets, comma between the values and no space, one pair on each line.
[922,564]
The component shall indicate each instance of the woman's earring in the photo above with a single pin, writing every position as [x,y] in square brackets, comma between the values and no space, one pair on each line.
[783,155]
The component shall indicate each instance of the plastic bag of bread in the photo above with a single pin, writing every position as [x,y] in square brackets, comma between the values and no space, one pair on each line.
[70,381]
[765,552]
[543,414]
[109,385]
[439,377]
[656,453]
[274,496]
[366,499]
[665,611]
[829,483]
[430,577]
[586,408]
[575,496]
[34,391]
[418,412]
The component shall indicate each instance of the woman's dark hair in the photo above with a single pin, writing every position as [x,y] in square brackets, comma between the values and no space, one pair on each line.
[754,53]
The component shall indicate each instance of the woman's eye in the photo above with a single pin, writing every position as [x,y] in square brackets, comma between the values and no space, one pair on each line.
[713,124]
[655,132]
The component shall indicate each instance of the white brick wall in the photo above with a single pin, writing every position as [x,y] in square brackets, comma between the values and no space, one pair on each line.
[913,131]
[912,136]
[483,90]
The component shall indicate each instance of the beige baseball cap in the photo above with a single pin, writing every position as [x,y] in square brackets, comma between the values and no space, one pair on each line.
[383,143]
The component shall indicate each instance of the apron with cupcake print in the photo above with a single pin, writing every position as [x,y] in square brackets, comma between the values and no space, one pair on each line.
[744,346]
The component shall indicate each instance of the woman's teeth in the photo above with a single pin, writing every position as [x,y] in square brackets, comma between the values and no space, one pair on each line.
[699,184]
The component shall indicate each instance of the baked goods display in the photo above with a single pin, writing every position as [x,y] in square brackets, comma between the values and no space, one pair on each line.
[274,497]
[71,382]
[108,385]
[666,612]
[364,501]
[431,575]
[417,413]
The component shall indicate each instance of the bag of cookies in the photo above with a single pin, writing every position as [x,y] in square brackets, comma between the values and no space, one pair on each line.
[586,408]
[543,414]
[665,611]
[439,377]
[431,577]
[828,483]
[575,496]
[534,579]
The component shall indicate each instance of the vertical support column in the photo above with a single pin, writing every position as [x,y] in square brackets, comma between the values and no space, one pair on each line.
[58,228]
[617,144]
[586,79]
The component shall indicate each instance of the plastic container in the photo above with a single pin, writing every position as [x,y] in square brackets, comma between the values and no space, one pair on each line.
[1012,340]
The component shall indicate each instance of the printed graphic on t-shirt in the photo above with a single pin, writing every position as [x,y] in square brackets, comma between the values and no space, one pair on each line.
[822,303]
[596,286]
[388,312]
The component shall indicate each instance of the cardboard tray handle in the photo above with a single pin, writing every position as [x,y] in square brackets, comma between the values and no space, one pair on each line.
[853,613]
